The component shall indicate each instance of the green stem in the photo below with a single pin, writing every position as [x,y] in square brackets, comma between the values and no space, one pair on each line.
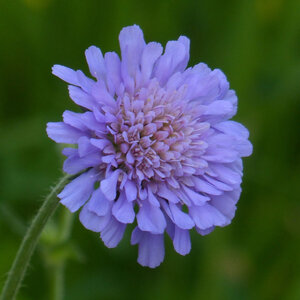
[20,264]
[58,269]
[58,278]
[66,226]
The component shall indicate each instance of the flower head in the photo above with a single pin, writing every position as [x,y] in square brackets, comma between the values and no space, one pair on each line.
[154,143]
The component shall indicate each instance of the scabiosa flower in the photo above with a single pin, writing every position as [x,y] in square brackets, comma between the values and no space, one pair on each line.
[154,143]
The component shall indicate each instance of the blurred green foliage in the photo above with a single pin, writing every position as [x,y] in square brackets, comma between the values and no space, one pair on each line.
[257,45]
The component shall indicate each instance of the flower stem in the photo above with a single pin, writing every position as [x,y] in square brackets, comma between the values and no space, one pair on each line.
[58,268]
[58,277]
[20,264]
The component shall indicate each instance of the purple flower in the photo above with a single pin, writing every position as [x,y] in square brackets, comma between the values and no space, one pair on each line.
[154,143]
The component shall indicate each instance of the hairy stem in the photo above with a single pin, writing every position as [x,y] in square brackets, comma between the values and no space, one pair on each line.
[28,245]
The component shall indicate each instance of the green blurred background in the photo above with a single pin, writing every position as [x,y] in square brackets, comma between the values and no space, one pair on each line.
[257,45]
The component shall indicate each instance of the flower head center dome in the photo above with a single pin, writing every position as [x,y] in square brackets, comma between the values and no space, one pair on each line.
[154,134]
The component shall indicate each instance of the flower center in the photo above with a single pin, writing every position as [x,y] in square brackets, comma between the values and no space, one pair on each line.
[154,134]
